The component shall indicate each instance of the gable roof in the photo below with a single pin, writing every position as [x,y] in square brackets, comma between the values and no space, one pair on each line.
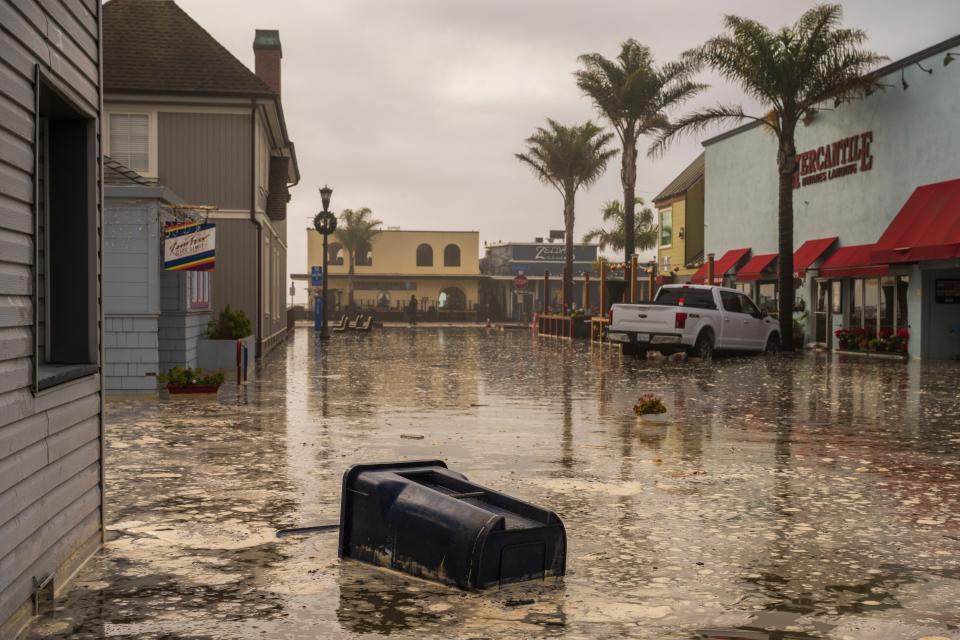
[687,178]
[153,46]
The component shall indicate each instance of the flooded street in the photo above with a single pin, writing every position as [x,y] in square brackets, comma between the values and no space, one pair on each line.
[794,497]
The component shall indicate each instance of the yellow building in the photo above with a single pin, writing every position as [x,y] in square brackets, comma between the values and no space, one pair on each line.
[680,219]
[440,268]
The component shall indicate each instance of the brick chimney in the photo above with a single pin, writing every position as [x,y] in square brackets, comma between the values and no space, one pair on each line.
[267,54]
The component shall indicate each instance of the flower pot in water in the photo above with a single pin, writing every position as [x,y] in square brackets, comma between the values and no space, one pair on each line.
[654,418]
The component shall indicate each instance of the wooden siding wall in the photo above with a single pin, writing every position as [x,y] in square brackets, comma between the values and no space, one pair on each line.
[50,450]
[235,278]
[206,158]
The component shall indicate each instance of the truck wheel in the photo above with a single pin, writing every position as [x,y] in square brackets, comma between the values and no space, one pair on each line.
[703,347]
[773,345]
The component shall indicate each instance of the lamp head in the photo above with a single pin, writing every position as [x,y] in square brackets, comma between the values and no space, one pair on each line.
[325,193]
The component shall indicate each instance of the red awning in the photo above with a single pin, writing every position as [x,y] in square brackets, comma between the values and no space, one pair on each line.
[754,269]
[720,267]
[852,262]
[927,227]
[808,253]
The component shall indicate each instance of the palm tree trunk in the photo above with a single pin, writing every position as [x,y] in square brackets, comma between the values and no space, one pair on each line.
[568,201]
[628,179]
[350,282]
[786,165]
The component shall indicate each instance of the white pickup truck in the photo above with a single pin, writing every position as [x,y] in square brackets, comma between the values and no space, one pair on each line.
[698,319]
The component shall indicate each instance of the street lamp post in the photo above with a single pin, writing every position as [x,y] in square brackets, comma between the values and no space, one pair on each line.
[325,223]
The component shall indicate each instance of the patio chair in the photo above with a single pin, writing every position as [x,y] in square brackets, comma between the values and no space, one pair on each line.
[364,325]
[341,325]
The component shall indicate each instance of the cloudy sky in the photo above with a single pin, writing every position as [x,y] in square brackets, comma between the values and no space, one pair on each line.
[414,108]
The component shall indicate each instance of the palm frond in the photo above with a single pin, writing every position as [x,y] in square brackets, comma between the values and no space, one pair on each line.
[698,122]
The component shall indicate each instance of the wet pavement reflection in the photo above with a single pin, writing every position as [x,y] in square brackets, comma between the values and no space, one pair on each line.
[793,497]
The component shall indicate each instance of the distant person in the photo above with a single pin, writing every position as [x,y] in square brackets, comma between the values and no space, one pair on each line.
[412,310]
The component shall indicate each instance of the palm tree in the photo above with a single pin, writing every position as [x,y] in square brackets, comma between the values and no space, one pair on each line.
[634,95]
[645,231]
[355,232]
[790,72]
[568,158]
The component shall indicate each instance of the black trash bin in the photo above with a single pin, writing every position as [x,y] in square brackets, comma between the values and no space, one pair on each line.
[425,520]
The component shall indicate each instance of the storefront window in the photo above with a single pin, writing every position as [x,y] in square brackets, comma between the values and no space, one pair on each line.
[888,292]
[871,298]
[903,283]
[856,305]
[767,296]
[746,288]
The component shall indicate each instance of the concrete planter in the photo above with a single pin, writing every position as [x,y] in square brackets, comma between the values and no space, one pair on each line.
[654,418]
[214,355]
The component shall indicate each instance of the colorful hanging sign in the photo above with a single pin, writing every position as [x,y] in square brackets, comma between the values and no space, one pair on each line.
[189,246]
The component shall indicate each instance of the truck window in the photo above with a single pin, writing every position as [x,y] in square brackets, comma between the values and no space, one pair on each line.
[680,296]
[731,302]
[748,306]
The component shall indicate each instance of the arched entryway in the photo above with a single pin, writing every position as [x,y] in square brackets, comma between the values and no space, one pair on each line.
[452,299]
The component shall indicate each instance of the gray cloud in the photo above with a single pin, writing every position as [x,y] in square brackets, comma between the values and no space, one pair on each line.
[415,107]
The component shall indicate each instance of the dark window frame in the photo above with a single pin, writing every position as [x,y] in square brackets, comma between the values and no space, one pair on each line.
[448,257]
[72,353]
[424,260]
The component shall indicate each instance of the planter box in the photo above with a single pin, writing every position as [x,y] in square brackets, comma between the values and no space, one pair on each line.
[174,389]
[215,355]
[886,355]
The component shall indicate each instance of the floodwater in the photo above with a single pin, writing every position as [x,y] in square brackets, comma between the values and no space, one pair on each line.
[786,498]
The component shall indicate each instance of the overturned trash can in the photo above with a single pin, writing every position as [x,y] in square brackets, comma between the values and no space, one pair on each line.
[426,520]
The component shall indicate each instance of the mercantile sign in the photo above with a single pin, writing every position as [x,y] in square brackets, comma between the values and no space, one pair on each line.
[839,159]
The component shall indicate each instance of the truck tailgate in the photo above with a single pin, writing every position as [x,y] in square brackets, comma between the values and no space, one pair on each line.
[643,318]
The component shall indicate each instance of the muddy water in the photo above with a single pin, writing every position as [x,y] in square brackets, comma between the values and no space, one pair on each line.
[806,497]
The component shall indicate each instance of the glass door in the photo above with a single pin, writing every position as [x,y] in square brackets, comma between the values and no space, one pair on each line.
[821,314]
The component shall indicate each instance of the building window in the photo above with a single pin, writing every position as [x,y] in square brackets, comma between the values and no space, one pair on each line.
[363,256]
[879,305]
[198,284]
[424,255]
[666,227]
[451,256]
[130,140]
[767,297]
[266,278]
[335,254]
[65,251]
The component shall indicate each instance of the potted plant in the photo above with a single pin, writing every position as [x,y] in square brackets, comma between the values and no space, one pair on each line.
[843,338]
[218,350]
[182,381]
[650,408]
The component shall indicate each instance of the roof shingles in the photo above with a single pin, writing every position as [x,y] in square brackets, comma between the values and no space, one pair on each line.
[687,178]
[153,46]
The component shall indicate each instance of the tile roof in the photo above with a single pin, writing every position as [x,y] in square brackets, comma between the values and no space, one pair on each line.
[153,46]
[687,178]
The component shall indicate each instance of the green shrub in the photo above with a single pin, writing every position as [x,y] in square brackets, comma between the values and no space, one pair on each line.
[180,377]
[230,325]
